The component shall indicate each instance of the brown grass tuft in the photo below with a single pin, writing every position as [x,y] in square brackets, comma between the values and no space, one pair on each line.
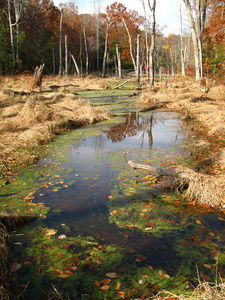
[200,188]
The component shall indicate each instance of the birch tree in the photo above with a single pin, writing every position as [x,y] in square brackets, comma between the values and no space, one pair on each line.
[196,12]
[182,46]
[60,45]
[152,7]
[18,10]
[110,22]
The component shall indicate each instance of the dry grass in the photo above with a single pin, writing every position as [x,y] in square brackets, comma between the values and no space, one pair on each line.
[200,188]
[30,121]
[204,291]
[209,109]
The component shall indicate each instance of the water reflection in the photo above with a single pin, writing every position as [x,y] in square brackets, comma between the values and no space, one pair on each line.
[138,131]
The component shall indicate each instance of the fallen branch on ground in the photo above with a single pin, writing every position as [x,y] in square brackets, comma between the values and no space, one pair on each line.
[116,87]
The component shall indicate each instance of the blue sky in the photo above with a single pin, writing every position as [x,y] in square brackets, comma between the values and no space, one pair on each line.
[167,11]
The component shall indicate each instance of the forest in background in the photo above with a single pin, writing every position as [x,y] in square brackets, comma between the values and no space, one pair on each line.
[30,35]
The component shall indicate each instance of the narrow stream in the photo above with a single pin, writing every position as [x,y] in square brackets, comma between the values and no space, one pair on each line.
[105,219]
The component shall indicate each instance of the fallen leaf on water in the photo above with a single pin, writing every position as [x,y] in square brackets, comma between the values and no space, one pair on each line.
[111,275]
[149,267]
[207,266]
[50,232]
[150,223]
[148,228]
[63,276]
[105,287]
[15,267]
[212,234]
[97,283]
[118,285]
[121,294]
[105,281]
[166,276]
[198,222]
[68,272]
[222,219]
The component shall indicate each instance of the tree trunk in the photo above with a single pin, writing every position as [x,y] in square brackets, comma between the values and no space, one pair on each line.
[130,43]
[38,75]
[109,24]
[11,32]
[182,46]
[66,56]
[53,60]
[152,48]
[197,27]
[60,45]
[18,8]
[75,64]
[86,52]
[119,61]
[146,37]
[138,59]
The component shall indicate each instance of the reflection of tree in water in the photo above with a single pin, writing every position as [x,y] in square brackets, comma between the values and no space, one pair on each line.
[133,125]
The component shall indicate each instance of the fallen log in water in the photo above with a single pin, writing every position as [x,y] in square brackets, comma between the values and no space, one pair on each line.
[201,188]
[154,170]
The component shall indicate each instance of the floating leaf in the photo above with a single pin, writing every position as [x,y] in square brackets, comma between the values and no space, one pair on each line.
[166,276]
[111,275]
[198,222]
[207,266]
[105,287]
[105,281]
[149,267]
[121,294]
[148,228]
[221,219]
[118,285]
[15,267]
[68,272]
[63,276]
[97,283]
[50,232]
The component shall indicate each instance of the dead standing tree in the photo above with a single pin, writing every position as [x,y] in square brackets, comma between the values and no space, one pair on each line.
[197,19]
[60,45]
[152,47]
[110,22]
[37,78]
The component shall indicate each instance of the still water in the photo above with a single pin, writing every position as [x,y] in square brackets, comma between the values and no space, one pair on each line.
[105,219]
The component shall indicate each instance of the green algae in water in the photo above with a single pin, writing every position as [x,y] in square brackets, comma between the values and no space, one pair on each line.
[160,238]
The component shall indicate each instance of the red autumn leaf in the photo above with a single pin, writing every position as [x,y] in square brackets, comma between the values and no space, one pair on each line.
[144,217]
[105,281]
[68,272]
[149,267]
[184,244]
[150,223]
[142,258]
[105,287]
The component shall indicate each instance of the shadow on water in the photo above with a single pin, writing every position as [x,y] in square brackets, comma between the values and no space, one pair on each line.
[103,218]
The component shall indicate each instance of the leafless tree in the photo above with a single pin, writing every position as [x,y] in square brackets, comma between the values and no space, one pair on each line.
[196,11]
[152,7]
